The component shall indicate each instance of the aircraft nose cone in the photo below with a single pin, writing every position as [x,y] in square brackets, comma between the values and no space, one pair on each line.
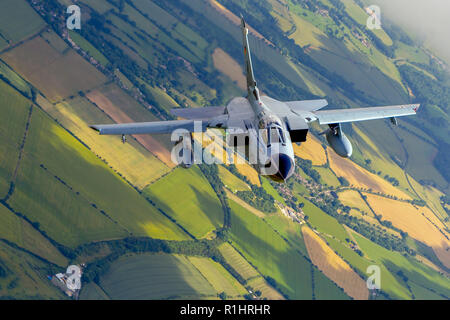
[285,166]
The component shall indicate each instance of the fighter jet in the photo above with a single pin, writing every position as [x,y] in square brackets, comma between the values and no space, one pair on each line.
[268,126]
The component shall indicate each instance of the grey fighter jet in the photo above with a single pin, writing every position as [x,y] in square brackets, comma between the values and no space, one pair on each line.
[265,126]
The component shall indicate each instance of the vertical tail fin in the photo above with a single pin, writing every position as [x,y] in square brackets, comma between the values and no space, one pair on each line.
[251,83]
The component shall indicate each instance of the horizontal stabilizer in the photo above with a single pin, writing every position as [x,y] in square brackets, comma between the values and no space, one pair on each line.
[307,105]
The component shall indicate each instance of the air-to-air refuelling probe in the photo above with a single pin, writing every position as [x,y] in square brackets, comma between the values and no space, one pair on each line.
[264,126]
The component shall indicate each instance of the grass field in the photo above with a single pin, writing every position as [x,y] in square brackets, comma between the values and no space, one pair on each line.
[416,221]
[196,206]
[412,270]
[131,159]
[353,199]
[361,178]
[57,75]
[333,266]
[155,276]
[14,79]
[88,47]
[228,66]
[20,232]
[121,108]
[75,196]
[234,259]
[327,177]
[312,150]
[231,181]
[25,276]
[218,277]
[14,110]
[268,252]
[18,20]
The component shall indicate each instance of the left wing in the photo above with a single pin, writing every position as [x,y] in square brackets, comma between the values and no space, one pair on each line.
[361,114]
[198,120]
[147,127]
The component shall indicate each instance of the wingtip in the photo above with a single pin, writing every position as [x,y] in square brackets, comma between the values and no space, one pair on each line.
[416,107]
[95,127]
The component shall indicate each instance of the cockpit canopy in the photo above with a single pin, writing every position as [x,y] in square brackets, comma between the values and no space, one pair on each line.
[273,134]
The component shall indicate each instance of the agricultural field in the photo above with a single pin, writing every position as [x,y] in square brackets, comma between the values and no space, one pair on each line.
[13,13]
[22,233]
[155,276]
[121,108]
[25,276]
[270,254]
[131,159]
[186,196]
[57,75]
[88,47]
[231,181]
[218,277]
[311,149]
[353,199]
[13,121]
[327,177]
[333,266]
[14,79]
[413,271]
[228,66]
[418,222]
[361,178]
[238,262]
[76,180]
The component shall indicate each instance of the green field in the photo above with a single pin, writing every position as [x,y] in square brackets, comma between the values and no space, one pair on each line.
[83,200]
[218,277]
[20,232]
[14,109]
[231,181]
[131,159]
[268,252]
[187,197]
[88,47]
[413,270]
[25,276]
[13,14]
[327,177]
[155,276]
[58,75]
[14,79]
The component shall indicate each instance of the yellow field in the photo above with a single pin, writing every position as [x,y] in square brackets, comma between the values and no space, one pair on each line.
[238,262]
[231,181]
[235,19]
[360,177]
[413,220]
[57,75]
[228,66]
[131,159]
[112,100]
[218,277]
[352,199]
[306,33]
[312,150]
[333,266]
[244,204]
[266,290]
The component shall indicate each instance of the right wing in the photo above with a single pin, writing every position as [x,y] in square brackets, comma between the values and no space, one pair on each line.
[361,114]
